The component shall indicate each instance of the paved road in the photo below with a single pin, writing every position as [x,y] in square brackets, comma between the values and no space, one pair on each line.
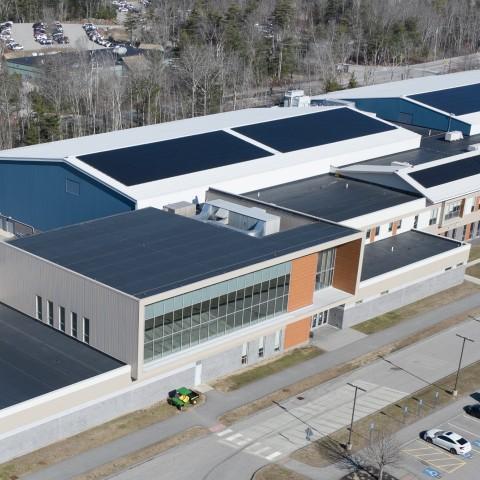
[219,403]
[273,434]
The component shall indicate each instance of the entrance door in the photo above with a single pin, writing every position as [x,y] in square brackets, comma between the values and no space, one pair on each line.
[319,319]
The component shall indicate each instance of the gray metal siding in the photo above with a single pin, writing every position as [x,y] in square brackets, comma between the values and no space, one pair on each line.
[114,317]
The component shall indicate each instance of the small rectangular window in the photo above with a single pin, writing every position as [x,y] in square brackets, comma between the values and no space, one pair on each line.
[72,187]
[367,234]
[276,343]
[390,226]
[61,318]
[39,313]
[384,292]
[415,222]
[399,224]
[86,330]
[377,231]
[50,312]
[261,346]
[74,324]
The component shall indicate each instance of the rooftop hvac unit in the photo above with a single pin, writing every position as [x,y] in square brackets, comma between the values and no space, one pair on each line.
[296,98]
[453,136]
[185,209]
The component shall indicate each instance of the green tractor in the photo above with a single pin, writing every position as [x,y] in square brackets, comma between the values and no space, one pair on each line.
[182,397]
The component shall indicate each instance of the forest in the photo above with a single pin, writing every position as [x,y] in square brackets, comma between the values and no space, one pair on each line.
[219,55]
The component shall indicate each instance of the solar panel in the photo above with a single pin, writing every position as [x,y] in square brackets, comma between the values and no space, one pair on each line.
[459,100]
[170,158]
[149,251]
[311,130]
[448,172]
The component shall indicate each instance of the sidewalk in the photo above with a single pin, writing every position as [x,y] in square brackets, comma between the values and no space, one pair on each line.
[219,403]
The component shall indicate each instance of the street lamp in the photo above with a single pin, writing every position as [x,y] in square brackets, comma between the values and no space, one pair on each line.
[464,339]
[356,387]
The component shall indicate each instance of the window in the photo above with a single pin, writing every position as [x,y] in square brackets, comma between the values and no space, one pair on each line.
[367,233]
[195,317]
[50,312]
[452,210]
[39,313]
[74,320]
[61,318]
[86,330]
[377,231]
[384,292]
[433,216]
[415,222]
[319,319]
[261,347]
[72,187]
[390,226]
[276,342]
[244,353]
[399,224]
[325,268]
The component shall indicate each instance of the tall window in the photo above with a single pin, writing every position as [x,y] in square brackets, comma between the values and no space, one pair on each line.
[415,222]
[39,311]
[186,320]
[325,268]
[261,346]
[61,318]
[50,312]
[276,342]
[74,320]
[244,353]
[452,210]
[433,216]
[86,330]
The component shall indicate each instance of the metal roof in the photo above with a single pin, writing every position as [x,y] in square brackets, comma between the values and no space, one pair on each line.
[307,131]
[36,359]
[170,158]
[401,250]
[148,251]
[331,197]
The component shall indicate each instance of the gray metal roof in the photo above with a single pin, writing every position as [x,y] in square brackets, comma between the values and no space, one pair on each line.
[331,197]
[36,359]
[402,250]
[149,251]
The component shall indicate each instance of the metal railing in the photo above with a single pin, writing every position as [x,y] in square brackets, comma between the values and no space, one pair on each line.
[15,227]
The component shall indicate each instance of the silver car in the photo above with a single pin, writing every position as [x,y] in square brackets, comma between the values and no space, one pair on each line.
[450,441]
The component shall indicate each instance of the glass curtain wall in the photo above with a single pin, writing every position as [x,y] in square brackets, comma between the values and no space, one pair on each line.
[195,317]
[325,268]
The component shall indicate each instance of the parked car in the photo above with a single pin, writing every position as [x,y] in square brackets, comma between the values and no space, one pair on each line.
[15,46]
[450,441]
[182,397]
[473,410]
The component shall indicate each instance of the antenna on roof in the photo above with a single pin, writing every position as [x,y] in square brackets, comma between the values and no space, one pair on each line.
[393,248]
[346,186]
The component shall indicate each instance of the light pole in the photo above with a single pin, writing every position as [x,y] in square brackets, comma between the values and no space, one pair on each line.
[464,339]
[356,387]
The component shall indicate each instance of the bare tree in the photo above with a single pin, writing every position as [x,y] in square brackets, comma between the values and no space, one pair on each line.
[382,451]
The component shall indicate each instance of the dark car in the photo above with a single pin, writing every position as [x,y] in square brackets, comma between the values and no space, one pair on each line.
[473,410]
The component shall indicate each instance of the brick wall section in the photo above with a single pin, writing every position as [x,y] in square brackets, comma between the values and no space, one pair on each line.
[394,228]
[462,208]
[468,231]
[297,333]
[346,266]
[302,282]
[372,233]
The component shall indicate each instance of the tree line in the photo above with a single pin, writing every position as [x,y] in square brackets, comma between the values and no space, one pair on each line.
[219,55]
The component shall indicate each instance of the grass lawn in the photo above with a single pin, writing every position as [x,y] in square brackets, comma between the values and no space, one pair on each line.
[238,380]
[474,271]
[277,472]
[474,252]
[392,418]
[390,319]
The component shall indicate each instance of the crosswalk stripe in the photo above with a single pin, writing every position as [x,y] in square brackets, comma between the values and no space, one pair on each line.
[231,438]
[273,455]
[224,432]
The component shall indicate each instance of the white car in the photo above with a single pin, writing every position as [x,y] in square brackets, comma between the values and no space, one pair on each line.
[450,441]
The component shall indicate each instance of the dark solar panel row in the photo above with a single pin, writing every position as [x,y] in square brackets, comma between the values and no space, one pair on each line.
[149,251]
[448,172]
[170,158]
[459,100]
[305,131]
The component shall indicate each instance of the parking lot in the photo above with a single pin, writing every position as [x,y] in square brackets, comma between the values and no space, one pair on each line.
[430,461]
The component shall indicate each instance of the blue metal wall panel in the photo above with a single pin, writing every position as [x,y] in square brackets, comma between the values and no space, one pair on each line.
[401,110]
[48,195]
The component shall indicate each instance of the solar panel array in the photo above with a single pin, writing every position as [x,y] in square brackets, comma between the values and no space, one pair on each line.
[312,130]
[459,100]
[149,251]
[170,158]
[448,172]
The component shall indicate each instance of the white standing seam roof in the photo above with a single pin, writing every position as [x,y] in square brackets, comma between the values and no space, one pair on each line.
[337,154]
[443,191]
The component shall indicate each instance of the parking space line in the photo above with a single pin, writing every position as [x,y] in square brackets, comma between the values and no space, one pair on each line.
[463,429]
[471,418]
[417,449]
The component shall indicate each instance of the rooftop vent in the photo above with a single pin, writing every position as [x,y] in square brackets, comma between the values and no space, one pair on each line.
[185,209]
[453,136]
[296,98]
[253,221]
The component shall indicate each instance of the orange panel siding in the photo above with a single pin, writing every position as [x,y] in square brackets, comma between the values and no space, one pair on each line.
[394,228]
[468,232]
[302,282]
[372,234]
[346,266]
[297,333]
[462,208]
